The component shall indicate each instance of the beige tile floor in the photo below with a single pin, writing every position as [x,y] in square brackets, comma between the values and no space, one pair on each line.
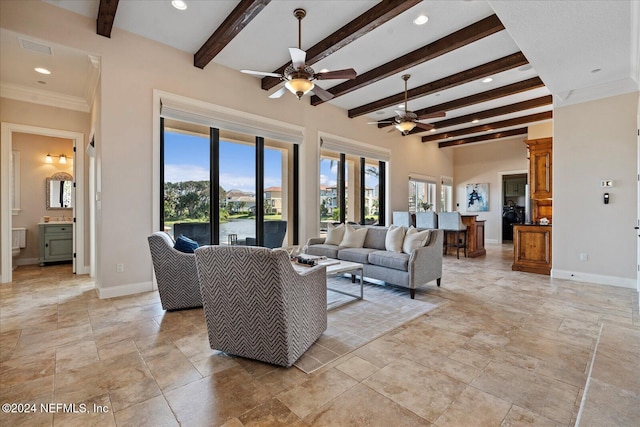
[507,348]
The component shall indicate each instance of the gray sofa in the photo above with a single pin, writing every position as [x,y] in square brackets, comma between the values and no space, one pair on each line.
[423,265]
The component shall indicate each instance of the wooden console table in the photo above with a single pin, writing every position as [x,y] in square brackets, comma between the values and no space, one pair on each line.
[532,248]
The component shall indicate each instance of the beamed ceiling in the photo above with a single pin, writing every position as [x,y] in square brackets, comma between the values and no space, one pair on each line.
[462,44]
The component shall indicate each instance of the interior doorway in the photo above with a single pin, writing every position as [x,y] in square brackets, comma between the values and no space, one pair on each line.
[513,199]
[8,130]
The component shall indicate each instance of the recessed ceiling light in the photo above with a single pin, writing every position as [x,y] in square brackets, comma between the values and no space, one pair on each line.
[475,121]
[596,70]
[379,112]
[42,70]
[487,80]
[526,67]
[400,106]
[324,70]
[179,4]
[421,20]
[433,130]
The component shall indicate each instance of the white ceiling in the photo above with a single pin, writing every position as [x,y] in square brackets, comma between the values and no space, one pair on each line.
[563,41]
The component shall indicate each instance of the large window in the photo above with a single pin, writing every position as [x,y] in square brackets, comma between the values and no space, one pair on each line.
[446,195]
[350,189]
[422,195]
[250,177]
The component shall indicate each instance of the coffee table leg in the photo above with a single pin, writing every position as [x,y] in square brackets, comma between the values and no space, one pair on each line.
[362,283]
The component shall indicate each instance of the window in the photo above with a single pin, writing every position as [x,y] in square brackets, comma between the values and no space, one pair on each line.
[360,194]
[446,195]
[422,193]
[248,176]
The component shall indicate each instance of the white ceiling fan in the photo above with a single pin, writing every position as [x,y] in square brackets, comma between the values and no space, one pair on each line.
[408,120]
[298,77]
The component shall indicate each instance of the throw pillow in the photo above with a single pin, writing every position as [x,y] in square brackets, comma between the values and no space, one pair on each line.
[185,244]
[353,237]
[414,239]
[334,234]
[394,238]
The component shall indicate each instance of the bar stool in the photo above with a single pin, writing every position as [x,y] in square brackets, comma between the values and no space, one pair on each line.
[426,220]
[451,222]
[402,218]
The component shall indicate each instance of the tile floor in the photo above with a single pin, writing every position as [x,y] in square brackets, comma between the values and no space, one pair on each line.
[506,349]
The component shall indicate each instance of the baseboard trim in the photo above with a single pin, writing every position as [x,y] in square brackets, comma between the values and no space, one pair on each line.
[491,241]
[122,290]
[621,282]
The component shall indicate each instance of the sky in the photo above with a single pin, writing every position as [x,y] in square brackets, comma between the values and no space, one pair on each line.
[187,159]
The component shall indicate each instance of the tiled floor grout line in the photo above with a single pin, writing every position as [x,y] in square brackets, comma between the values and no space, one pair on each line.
[586,387]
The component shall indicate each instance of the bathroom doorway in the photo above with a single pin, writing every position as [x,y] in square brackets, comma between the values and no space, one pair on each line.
[9,132]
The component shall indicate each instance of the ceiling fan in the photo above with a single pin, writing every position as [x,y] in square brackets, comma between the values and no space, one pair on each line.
[298,77]
[407,120]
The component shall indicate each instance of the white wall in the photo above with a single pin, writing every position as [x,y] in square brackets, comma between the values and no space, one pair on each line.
[594,141]
[132,67]
[484,163]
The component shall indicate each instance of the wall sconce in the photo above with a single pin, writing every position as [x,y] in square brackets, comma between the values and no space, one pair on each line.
[62,159]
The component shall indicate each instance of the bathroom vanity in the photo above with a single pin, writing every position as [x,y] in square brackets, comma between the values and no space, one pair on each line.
[56,242]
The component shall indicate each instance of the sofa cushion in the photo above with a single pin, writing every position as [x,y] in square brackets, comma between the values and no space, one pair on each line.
[394,239]
[375,238]
[414,239]
[353,238]
[330,251]
[395,260]
[334,234]
[360,255]
[185,244]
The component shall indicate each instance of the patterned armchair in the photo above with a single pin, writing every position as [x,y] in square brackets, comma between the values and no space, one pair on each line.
[175,273]
[257,306]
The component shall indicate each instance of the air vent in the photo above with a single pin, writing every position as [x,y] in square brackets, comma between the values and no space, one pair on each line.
[35,46]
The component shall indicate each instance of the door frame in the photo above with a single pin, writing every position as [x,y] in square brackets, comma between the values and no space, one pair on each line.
[6,220]
[501,176]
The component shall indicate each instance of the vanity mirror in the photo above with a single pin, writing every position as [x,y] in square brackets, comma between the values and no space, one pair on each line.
[59,188]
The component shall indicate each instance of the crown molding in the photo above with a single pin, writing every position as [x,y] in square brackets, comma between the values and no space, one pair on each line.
[52,99]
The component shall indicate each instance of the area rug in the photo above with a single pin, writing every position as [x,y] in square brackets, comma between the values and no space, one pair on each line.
[353,323]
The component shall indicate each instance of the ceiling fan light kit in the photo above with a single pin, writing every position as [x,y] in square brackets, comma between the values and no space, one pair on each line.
[298,77]
[408,120]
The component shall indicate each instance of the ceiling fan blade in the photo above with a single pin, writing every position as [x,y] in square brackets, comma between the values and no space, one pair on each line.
[377,123]
[298,57]
[278,93]
[322,94]
[260,73]
[348,73]
[425,126]
[433,115]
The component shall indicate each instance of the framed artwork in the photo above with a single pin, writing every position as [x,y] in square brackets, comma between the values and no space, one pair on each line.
[477,197]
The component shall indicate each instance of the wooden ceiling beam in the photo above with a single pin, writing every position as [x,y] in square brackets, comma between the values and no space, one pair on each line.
[491,126]
[477,98]
[490,68]
[474,32]
[244,13]
[487,137]
[106,16]
[363,24]
[493,112]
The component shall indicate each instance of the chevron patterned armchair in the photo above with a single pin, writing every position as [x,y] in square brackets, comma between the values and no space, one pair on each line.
[257,306]
[175,273]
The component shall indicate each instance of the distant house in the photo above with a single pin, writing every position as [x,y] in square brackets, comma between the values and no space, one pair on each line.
[239,201]
[329,197]
[273,200]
